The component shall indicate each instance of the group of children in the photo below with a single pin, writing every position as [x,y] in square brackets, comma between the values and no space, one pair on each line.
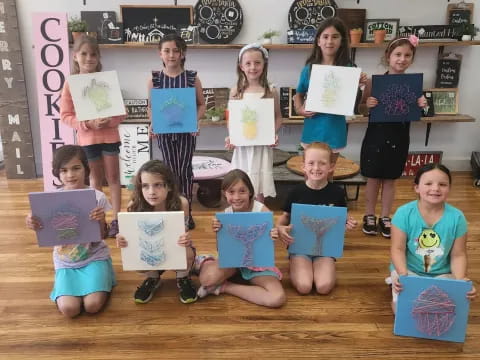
[84,275]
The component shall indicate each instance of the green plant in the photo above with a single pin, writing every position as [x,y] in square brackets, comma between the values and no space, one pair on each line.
[77,25]
[357,30]
[215,112]
[269,34]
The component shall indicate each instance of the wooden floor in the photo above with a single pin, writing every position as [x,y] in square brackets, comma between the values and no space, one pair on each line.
[355,321]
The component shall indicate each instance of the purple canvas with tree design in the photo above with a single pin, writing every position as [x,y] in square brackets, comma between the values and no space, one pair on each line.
[397,96]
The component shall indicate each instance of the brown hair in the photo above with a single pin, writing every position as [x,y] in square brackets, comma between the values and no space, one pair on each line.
[179,42]
[233,177]
[393,44]
[342,57]
[429,167]
[77,45]
[242,82]
[156,167]
[63,155]
[321,146]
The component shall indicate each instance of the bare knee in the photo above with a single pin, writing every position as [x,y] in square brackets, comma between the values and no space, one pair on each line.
[276,299]
[324,287]
[94,303]
[303,287]
[69,310]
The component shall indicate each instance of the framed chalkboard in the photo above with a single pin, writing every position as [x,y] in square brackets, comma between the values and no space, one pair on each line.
[291,106]
[459,14]
[301,36]
[284,101]
[216,97]
[445,101]
[218,21]
[308,14]
[448,71]
[104,24]
[148,24]
[429,110]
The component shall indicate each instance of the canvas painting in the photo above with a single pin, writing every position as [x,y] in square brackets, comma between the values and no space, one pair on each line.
[152,240]
[65,217]
[174,110]
[433,308]
[251,122]
[318,230]
[397,96]
[333,89]
[96,95]
[244,240]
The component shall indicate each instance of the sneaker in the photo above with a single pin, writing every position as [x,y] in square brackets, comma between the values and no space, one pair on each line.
[191,223]
[113,229]
[145,291]
[211,290]
[370,225]
[385,225]
[199,260]
[188,293]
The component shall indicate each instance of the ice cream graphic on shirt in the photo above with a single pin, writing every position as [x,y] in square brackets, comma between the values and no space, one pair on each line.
[429,247]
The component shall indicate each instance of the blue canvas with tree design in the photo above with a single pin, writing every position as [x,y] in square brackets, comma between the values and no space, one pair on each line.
[397,96]
[174,110]
[244,240]
[318,230]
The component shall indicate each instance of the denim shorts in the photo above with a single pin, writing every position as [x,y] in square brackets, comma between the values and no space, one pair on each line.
[96,151]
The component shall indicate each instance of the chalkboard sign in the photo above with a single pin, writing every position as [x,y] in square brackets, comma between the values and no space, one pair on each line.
[445,101]
[137,110]
[448,71]
[104,23]
[218,21]
[189,34]
[284,102]
[417,159]
[308,14]
[431,32]
[216,97]
[460,14]
[149,24]
[301,36]
[428,110]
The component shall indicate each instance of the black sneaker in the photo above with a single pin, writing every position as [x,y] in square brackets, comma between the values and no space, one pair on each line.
[370,225]
[385,225]
[145,291]
[187,292]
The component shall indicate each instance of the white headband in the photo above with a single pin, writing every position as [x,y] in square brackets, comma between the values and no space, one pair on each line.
[253,46]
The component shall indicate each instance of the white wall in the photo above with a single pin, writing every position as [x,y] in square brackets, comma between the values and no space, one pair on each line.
[216,68]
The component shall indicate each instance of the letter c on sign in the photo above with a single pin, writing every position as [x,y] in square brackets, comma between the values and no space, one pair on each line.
[43,29]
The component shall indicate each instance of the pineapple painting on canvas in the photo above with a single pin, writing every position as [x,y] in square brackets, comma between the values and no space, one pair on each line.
[249,121]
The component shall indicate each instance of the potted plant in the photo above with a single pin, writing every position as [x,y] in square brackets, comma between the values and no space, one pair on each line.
[379,36]
[76,26]
[215,113]
[355,35]
[268,35]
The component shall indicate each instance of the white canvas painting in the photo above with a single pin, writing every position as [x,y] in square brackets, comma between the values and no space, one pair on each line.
[333,89]
[152,240]
[96,95]
[251,122]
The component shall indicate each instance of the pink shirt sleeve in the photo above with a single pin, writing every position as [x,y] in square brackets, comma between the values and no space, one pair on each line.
[67,110]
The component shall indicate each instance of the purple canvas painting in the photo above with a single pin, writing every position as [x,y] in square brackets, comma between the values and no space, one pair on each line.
[65,217]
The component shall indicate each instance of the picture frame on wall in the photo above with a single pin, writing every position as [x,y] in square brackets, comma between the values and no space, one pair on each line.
[390,25]
[292,114]
[445,101]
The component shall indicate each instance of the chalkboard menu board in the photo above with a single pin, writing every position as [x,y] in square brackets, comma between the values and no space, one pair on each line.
[304,14]
[448,71]
[216,97]
[284,101]
[104,23]
[301,36]
[137,110]
[149,24]
[218,21]
[459,14]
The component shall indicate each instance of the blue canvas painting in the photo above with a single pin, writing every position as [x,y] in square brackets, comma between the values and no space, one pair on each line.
[244,240]
[397,96]
[318,230]
[174,110]
[432,308]
[65,217]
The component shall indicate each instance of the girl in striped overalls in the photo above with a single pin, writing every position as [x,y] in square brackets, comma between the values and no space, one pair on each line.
[177,149]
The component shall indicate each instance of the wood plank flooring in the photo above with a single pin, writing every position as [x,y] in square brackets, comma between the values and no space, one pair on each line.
[354,321]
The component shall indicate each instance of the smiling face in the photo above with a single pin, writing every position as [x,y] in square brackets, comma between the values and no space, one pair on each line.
[171,56]
[400,59]
[239,197]
[87,59]
[317,165]
[329,42]
[72,174]
[154,190]
[252,64]
[433,187]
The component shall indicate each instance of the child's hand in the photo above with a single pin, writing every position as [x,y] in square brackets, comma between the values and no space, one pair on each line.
[276,141]
[422,102]
[185,240]
[216,224]
[371,102]
[97,214]
[102,123]
[472,294]
[284,234]
[302,112]
[33,223]
[351,223]
[274,234]
[121,241]
[363,80]
[396,285]
[228,145]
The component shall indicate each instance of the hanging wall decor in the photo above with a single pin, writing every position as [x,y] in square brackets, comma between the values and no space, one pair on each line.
[218,21]
[304,14]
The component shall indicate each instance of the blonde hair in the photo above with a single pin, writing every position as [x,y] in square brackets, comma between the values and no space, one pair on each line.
[319,146]
[77,45]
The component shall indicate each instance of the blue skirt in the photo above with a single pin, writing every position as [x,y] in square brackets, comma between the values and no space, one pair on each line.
[94,277]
